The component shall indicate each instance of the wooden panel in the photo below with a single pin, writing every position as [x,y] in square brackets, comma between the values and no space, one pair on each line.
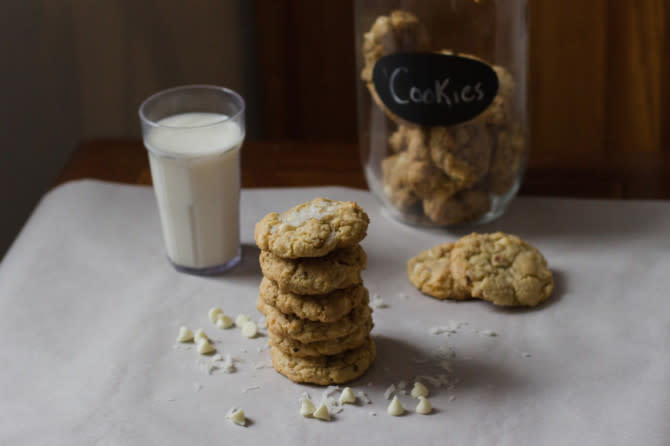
[568,76]
[636,57]
[306,51]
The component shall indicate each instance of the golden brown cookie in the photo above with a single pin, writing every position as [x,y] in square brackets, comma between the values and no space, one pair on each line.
[320,348]
[315,275]
[400,31]
[462,151]
[446,209]
[325,370]
[312,229]
[302,330]
[396,182]
[322,308]
[426,180]
[508,158]
[502,269]
[430,272]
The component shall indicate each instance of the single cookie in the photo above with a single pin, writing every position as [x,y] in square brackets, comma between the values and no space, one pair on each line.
[430,272]
[499,113]
[302,330]
[320,348]
[426,180]
[396,182]
[502,269]
[400,31]
[322,308]
[325,370]
[322,275]
[312,229]
[446,209]
[508,158]
[462,151]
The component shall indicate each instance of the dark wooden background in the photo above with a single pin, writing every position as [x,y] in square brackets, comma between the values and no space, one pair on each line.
[599,74]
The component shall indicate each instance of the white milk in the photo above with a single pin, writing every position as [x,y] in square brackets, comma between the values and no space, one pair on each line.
[196,176]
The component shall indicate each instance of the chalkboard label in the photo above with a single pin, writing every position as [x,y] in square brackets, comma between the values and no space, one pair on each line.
[434,89]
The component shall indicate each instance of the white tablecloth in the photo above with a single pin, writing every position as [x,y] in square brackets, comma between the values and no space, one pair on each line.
[89,311]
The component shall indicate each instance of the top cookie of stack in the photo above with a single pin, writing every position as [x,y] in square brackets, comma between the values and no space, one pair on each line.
[312,293]
[312,229]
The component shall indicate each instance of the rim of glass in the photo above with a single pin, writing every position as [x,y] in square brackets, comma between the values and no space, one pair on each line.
[165,92]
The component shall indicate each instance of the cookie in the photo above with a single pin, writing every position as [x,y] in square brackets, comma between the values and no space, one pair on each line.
[396,182]
[322,308]
[426,180]
[446,209]
[312,229]
[302,330]
[502,269]
[339,269]
[462,151]
[430,272]
[325,370]
[320,348]
[508,158]
[398,32]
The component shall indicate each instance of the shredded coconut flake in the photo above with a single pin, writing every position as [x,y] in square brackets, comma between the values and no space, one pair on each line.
[246,389]
[378,302]
[388,394]
[363,397]
[490,333]
[525,354]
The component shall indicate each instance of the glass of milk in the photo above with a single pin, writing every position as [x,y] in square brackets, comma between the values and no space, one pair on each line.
[193,135]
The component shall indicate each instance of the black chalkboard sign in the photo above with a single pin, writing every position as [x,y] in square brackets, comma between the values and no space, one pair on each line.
[434,89]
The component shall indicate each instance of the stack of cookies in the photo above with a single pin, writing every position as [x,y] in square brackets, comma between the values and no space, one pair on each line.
[312,293]
[444,175]
[499,268]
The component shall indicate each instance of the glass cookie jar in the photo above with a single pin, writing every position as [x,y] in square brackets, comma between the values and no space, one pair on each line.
[442,106]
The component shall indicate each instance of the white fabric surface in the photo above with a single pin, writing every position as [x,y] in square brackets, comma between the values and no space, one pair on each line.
[90,308]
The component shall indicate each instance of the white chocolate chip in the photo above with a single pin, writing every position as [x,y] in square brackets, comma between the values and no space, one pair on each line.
[214,313]
[322,413]
[424,407]
[240,319]
[249,329]
[200,334]
[419,390]
[204,347]
[307,407]
[237,416]
[185,334]
[395,408]
[224,321]
[347,396]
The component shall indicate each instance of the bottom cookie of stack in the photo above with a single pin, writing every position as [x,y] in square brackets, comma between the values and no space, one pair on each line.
[325,370]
